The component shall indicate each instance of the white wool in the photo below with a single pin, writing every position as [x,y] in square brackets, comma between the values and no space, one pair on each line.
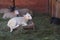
[17,21]
[10,14]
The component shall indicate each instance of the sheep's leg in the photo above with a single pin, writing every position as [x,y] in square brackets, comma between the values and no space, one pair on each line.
[4,16]
[17,26]
[24,24]
[11,29]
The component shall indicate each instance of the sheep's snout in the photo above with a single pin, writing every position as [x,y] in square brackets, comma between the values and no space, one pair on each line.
[30,18]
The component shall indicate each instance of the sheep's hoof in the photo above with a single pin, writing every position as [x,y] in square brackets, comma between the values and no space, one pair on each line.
[11,30]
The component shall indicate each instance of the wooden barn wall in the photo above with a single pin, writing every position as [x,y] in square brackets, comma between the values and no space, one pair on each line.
[36,5]
[53,14]
[56,8]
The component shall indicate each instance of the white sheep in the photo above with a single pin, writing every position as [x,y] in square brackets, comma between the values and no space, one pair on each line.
[10,14]
[17,21]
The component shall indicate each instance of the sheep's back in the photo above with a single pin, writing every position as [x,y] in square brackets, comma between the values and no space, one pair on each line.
[20,20]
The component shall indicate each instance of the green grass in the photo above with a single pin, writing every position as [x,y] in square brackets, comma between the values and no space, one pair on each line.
[44,30]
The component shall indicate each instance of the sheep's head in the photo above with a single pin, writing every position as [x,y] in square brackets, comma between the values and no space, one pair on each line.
[16,12]
[28,16]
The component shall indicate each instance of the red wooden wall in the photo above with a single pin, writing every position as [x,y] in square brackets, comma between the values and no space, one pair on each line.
[37,5]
